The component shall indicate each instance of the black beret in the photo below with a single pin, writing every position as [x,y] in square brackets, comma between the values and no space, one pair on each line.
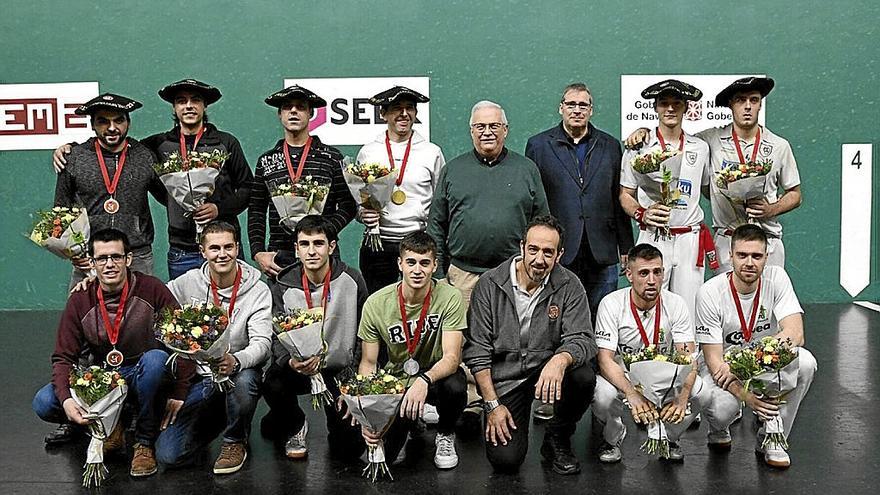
[389,96]
[108,101]
[208,92]
[278,98]
[672,87]
[761,84]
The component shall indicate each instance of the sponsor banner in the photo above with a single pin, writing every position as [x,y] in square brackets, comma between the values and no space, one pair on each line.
[40,116]
[636,111]
[348,118]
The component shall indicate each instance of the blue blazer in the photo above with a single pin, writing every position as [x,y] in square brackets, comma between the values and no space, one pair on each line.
[589,204]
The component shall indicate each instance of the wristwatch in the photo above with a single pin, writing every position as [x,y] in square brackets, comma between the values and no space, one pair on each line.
[490,405]
[237,366]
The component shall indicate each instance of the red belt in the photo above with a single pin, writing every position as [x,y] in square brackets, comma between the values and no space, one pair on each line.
[706,247]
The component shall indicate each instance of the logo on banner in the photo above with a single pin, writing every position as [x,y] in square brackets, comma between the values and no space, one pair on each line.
[319,119]
[41,116]
[694,111]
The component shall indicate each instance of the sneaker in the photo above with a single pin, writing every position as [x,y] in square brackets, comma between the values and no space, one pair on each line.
[609,454]
[296,446]
[544,412]
[719,440]
[774,455]
[675,454]
[231,458]
[445,456]
[143,462]
[116,440]
[62,434]
[430,415]
[557,449]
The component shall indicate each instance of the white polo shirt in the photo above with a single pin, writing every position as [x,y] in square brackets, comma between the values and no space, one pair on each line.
[616,329]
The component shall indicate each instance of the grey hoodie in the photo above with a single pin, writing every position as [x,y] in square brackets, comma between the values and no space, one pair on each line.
[250,325]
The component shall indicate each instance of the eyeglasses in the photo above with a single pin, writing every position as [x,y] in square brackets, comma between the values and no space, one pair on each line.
[115,258]
[577,105]
[493,127]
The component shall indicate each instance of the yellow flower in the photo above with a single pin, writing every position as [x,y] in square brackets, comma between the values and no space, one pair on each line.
[120,382]
[660,357]
[388,378]
[196,332]
[768,359]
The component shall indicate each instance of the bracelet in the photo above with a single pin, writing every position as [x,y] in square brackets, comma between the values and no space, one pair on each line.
[427,378]
[639,215]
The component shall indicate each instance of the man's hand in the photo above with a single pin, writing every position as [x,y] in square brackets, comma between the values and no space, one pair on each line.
[499,424]
[59,161]
[83,284]
[172,407]
[205,213]
[636,139]
[723,377]
[370,218]
[371,437]
[82,264]
[226,364]
[266,260]
[760,208]
[675,411]
[549,386]
[657,215]
[74,412]
[308,367]
[414,400]
[642,411]
[766,409]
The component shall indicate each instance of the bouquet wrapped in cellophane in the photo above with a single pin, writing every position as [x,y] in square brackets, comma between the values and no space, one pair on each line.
[371,184]
[307,196]
[197,332]
[740,182]
[190,181]
[301,332]
[657,175]
[63,231]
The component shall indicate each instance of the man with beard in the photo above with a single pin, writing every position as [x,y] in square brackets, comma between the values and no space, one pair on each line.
[753,301]
[419,162]
[629,320]
[297,155]
[231,284]
[94,179]
[529,337]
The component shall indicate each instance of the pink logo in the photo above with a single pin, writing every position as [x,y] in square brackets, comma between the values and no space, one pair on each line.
[319,119]
[694,110]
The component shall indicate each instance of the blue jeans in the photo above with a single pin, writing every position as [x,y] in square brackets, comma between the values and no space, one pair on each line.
[180,261]
[599,280]
[205,413]
[144,380]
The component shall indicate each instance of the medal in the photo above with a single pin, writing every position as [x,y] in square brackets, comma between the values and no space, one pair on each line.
[411,366]
[739,151]
[325,295]
[663,142]
[398,197]
[641,327]
[111,206]
[232,299]
[184,156]
[294,176]
[746,329]
[114,357]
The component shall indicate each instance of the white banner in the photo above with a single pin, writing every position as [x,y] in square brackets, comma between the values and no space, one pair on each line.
[636,111]
[348,118]
[40,116]
[855,217]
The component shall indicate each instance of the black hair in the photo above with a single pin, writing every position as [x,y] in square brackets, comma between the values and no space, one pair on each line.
[108,235]
[418,242]
[217,227]
[315,224]
[748,232]
[548,221]
[643,252]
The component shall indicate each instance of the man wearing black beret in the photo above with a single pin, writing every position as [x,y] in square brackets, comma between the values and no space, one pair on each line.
[295,156]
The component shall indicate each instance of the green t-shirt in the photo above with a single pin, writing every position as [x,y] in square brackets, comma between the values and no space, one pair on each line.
[380,322]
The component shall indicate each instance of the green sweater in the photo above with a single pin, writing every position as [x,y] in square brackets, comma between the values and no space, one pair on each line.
[479,211]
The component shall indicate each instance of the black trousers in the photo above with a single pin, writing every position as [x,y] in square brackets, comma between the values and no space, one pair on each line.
[448,395]
[282,387]
[380,268]
[577,394]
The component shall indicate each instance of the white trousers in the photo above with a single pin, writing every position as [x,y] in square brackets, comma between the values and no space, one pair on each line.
[775,252]
[681,274]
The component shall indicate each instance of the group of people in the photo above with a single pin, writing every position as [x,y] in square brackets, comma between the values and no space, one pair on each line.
[494,271]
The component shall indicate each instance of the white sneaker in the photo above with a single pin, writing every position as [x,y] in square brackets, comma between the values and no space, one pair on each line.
[296,446]
[430,415]
[445,456]
[774,454]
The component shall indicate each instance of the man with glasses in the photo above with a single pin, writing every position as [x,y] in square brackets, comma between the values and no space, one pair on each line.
[113,321]
[483,201]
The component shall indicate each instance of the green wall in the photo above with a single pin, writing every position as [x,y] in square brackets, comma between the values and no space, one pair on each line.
[823,55]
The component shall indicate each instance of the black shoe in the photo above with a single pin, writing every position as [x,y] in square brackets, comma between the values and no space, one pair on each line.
[61,435]
[558,451]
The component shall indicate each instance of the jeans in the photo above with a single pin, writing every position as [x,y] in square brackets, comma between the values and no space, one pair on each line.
[205,413]
[144,380]
[181,261]
[599,280]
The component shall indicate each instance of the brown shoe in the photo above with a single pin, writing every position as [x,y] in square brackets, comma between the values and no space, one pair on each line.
[116,440]
[143,462]
[231,458]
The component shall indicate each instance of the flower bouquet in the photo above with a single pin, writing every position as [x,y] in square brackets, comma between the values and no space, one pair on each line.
[657,175]
[63,231]
[659,376]
[301,332]
[101,393]
[190,181]
[768,368]
[293,201]
[371,184]
[741,182]
[373,401]
[197,332]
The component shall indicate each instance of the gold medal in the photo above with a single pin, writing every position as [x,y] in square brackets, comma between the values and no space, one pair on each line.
[111,206]
[114,358]
[398,197]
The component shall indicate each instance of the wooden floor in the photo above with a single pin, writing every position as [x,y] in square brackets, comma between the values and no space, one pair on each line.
[832,444]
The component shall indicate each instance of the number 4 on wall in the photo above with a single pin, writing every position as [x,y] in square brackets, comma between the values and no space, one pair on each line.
[855,217]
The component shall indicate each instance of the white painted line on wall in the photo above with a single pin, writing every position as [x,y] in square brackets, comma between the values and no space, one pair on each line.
[855,217]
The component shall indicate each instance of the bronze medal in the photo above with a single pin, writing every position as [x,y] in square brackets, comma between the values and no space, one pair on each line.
[398,197]
[111,206]
[114,358]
